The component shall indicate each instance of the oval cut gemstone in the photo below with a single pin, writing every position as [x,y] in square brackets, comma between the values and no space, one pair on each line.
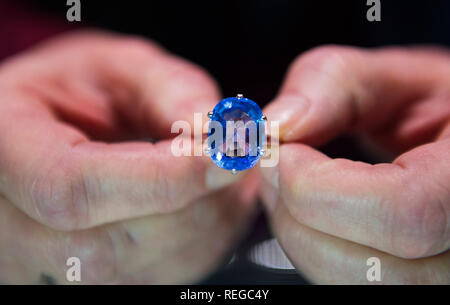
[236,133]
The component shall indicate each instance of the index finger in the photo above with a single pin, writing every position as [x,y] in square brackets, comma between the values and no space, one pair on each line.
[58,176]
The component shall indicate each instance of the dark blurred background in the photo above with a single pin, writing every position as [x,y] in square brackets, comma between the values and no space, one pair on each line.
[247,46]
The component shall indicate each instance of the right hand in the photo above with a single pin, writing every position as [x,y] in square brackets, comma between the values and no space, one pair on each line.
[331,215]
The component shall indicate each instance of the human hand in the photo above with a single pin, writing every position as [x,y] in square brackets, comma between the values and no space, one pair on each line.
[331,215]
[131,211]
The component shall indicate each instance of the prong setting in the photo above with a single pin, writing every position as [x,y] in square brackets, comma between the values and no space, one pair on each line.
[210,114]
[264,118]
[239,96]
[234,171]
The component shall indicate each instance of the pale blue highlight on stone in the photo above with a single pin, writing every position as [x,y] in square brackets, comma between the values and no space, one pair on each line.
[246,151]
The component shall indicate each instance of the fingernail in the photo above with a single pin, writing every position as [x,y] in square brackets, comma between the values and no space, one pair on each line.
[288,110]
[217,178]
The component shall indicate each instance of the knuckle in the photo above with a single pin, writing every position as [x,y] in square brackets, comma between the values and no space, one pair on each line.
[422,226]
[324,56]
[136,47]
[188,73]
[176,70]
[332,61]
[60,198]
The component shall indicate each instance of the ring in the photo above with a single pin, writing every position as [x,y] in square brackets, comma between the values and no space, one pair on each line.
[236,133]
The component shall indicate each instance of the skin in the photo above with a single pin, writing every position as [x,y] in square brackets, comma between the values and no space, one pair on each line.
[331,215]
[76,179]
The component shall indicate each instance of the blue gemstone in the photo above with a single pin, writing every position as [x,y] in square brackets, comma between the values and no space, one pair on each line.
[240,146]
